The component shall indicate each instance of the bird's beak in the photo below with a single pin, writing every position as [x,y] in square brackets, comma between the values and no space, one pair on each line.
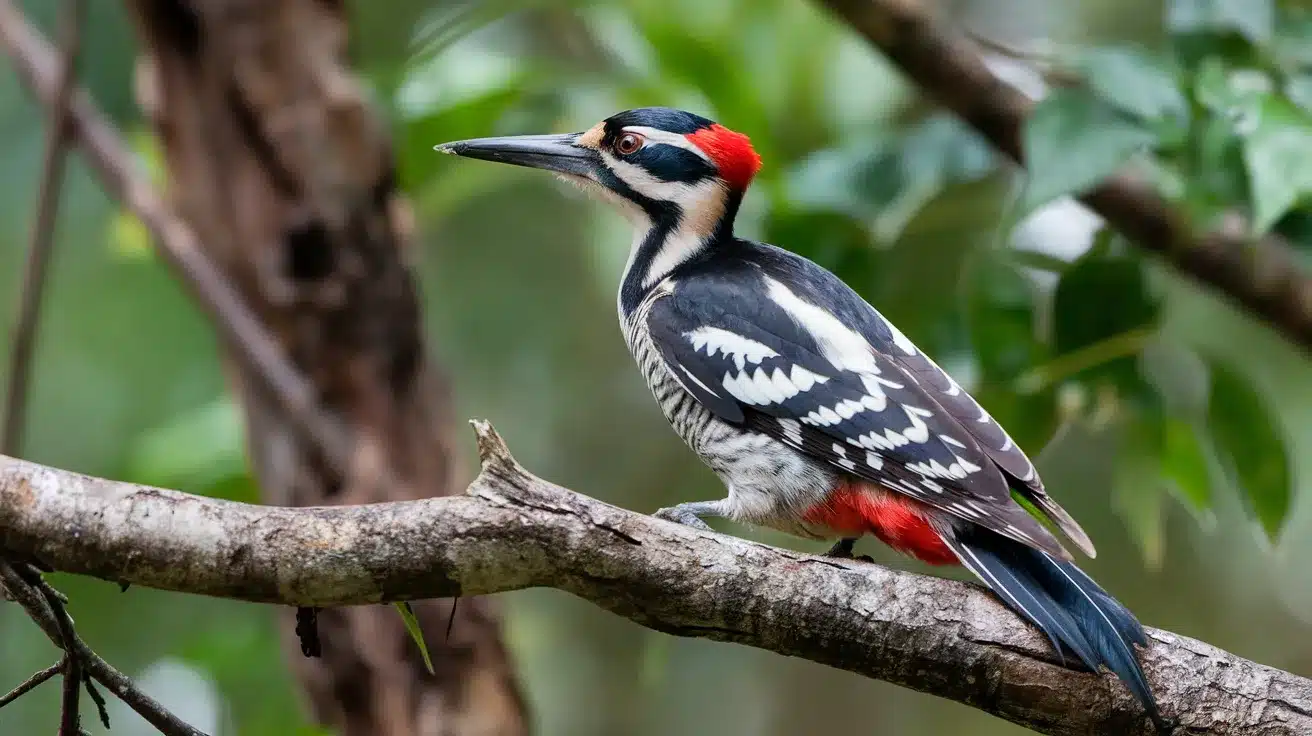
[559,153]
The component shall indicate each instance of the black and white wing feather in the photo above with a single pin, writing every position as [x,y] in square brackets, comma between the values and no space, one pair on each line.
[772,342]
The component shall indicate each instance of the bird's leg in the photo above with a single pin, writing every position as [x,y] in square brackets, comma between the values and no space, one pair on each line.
[692,513]
[842,550]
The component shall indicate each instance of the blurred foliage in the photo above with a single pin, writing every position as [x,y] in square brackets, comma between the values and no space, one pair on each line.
[1138,394]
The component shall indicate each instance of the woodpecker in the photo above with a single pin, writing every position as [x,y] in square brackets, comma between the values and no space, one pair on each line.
[820,417]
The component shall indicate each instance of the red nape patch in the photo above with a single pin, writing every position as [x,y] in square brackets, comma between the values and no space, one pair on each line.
[732,153]
[854,509]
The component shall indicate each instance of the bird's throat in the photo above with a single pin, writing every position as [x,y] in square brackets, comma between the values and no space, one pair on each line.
[663,245]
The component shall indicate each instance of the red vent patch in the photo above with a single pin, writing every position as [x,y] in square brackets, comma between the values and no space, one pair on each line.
[732,153]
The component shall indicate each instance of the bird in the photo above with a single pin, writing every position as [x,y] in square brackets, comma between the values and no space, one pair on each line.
[821,418]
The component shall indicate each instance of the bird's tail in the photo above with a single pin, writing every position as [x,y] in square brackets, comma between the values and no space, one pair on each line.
[1076,614]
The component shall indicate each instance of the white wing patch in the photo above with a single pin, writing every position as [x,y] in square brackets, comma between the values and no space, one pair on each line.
[918,431]
[845,349]
[733,345]
[804,379]
[759,387]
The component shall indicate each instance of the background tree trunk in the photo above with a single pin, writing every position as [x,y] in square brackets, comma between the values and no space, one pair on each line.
[285,173]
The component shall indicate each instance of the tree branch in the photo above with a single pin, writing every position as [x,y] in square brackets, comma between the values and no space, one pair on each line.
[512,531]
[39,610]
[1260,275]
[43,231]
[110,157]
[31,683]
[290,232]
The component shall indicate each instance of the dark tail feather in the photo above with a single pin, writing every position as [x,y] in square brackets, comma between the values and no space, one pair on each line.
[1076,614]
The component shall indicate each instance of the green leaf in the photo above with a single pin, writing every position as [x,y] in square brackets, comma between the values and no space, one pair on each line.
[1103,313]
[1229,91]
[1072,141]
[1184,463]
[1253,19]
[1278,156]
[1002,318]
[1135,83]
[940,151]
[1252,446]
[1137,495]
[416,633]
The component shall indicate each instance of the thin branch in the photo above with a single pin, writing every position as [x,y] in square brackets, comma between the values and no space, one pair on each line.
[1260,275]
[102,710]
[38,608]
[112,160]
[70,719]
[43,228]
[145,706]
[31,683]
[513,531]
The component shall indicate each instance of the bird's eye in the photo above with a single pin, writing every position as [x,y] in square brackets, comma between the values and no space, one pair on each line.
[628,143]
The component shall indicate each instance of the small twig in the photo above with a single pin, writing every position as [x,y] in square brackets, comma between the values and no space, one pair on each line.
[31,683]
[97,698]
[70,716]
[1122,345]
[43,227]
[145,706]
[70,721]
[23,588]
[451,620]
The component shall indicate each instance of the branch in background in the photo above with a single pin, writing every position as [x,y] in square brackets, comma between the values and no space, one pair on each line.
[1260,275]
[513,531]
[31,683]
[34,595]
[37,67]
[70,717]
[260,196]
[43,231]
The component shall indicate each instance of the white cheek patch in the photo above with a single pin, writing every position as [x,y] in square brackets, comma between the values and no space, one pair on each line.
[656,135]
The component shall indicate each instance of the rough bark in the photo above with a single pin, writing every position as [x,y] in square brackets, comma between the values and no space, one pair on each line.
[284,173]
[512,530]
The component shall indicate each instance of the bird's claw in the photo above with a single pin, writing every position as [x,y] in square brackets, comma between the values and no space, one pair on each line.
[842,550]
[683,516]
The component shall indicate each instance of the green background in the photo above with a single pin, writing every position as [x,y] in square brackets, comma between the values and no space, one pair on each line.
[1171,425]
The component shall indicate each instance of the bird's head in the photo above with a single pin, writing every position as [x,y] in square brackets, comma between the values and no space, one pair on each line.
[655,163]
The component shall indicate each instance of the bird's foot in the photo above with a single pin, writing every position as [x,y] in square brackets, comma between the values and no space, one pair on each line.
[681,515]
[842,550]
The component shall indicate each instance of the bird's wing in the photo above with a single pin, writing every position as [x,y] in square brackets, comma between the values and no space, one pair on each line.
[757,354]
[987,432]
